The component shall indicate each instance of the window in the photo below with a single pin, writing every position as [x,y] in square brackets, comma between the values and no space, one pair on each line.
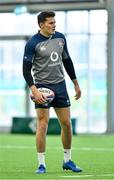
[87,38]
[11,81]
[86,33]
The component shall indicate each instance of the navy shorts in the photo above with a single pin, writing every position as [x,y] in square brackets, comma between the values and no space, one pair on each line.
[61,96]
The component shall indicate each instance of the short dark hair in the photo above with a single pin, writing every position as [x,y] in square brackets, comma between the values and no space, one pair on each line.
[43,15]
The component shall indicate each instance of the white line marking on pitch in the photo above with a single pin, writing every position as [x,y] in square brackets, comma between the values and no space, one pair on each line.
[78,149]
[94,149]
[77,176]
[87,175]
[16,147]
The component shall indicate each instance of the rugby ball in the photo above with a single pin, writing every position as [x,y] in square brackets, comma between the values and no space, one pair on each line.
[47,92]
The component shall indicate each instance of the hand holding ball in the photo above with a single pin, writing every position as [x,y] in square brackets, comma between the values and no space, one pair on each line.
[47,92]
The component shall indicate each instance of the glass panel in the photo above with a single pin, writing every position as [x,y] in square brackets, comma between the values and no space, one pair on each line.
[24,24]
[98,82]
[1,54]
[11,68]
[98,114]
[79,108]
[77,21]
[78,47]
[60,21]
[12,103]
[12,84]
[98,21]
[97,49]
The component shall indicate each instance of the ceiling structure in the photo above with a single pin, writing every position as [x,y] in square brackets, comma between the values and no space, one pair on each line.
[39,5]
[33,1]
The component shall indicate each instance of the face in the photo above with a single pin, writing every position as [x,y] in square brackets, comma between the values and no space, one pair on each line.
[48,27]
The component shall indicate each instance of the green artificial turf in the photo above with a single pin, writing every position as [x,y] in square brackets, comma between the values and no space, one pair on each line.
[93,153]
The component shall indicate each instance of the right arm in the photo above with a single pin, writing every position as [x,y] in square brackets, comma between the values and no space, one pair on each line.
[27,66]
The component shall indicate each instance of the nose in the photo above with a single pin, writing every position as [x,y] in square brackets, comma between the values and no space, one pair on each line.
[54,25]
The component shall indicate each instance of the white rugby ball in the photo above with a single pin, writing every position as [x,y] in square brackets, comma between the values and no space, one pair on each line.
[47,92]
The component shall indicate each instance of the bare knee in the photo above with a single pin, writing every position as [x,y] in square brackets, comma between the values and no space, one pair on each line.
[43,118]
[66,125]
[42,126]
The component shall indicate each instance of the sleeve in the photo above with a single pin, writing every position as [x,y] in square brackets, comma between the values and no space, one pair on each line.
[67,62]
[69,67]
[27,73]
[29,51]
[27,63]
[65,53]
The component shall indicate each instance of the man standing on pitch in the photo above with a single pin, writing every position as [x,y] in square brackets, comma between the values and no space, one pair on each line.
[45,55]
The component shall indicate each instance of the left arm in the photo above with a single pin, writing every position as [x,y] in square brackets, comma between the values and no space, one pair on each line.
[77,89]
[69,67]
[68,64]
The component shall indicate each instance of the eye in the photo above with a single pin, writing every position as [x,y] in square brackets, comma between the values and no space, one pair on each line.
[51,23]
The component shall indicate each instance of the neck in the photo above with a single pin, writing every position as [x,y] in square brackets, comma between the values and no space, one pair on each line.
[44,34]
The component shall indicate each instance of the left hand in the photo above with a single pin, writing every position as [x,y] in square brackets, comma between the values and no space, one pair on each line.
[78,92]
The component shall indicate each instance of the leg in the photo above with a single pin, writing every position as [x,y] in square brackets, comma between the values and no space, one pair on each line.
[42,125]
[66,131]
[66,134]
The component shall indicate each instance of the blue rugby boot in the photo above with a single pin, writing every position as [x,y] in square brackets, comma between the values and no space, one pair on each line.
[41,169]
[70,165]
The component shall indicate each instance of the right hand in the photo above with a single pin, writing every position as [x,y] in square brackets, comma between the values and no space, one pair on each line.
[39,97]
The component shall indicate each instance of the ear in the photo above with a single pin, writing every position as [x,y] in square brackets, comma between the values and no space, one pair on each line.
[41,24]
